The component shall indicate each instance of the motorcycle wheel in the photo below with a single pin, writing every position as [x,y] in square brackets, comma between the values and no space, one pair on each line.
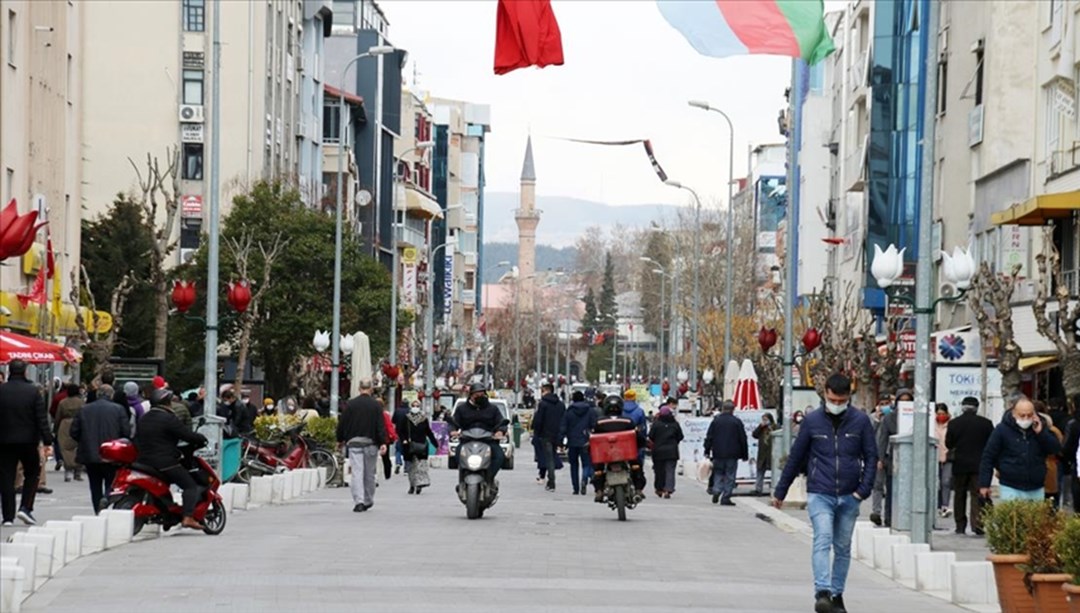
[321,457]
[620,502]
[472,501]
[127,502]
[214,520]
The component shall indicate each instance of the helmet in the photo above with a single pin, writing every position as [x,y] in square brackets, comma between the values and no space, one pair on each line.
[161,397]
[477,387]
[613,405]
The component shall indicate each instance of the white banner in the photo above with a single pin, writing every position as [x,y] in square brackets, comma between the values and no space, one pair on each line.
[409,285]
[692,447]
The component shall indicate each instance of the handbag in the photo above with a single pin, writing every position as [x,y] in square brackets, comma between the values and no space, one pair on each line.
[416,448]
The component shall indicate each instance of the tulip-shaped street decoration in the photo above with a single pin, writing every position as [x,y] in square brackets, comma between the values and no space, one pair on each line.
[959,268]
[239,296]
[708,376]
[346,344]
[683,376]
[811,340]
[766,338]
[440,382]
[183,295]
[17,232]
[321,341]
[888,265]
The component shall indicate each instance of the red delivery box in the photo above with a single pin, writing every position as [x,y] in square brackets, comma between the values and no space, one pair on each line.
[613,447]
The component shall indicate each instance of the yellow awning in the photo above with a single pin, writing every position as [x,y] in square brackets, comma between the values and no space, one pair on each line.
[418,202]
[1036,362]
[1038,210]
[31,318]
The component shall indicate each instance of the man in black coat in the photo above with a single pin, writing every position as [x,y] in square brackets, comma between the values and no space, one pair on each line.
[725,443]
[24,423]
[546,425]
[157,437]
[362,431]
[98,422]
[966,439]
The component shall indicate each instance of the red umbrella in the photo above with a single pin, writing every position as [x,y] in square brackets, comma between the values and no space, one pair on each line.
[747,394]
[36,351]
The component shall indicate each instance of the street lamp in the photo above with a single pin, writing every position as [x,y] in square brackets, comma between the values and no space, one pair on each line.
[697,282]
[487,339]
[429,314]
[335,353]
[660,270]
[729,265]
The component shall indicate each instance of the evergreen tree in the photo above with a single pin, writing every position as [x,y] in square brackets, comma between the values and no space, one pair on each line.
[608,315]
[589,320]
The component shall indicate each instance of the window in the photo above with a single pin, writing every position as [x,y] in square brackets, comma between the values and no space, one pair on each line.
[11,37]
[943,84]
[1056,17]
[69,77]
[193,87]
[194,15]
[9,182]
[979,52]
[193,161]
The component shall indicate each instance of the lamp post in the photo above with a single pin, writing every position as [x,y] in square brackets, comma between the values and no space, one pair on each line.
[697,282]
[335,350]
[660,270]
[729,265]
[429,324]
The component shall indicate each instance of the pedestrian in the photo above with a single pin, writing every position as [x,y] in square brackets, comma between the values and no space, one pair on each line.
[578,422]
[763,434]
[633,411]
[546,424]
[665,436]
[1072,454]
[24,425]
[837,450]
[796,422]
[391,441]
[134,405]
[965,440]
[725,443]
[1051,483]
[881,411]
[98,422]
[361,430]
[399,418]
[268,407]
[414,433]
[1017,450]
[889,427]
[944,458]
[67,410]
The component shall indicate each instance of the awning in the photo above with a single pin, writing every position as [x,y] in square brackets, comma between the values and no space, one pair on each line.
[421,204]
[1037,363]
[32,317]
[35,351]
[1039,210]
[1026,331]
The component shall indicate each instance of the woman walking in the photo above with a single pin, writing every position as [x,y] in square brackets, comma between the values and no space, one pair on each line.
[65,412]
[763,434]
[415,433]
[941,430]
[665,435]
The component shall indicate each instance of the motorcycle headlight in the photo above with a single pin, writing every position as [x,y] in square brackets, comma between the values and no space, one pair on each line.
[474,462]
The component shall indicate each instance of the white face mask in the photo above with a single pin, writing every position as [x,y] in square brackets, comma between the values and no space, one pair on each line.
[835,409]
[1024,423]
[414,410]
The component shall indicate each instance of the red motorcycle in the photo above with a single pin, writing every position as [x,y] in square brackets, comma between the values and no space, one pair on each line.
[294,451]
[145,491]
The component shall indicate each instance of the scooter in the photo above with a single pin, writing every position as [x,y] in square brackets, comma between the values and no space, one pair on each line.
[474,459]
[260,457]
[145,491]
[614,454]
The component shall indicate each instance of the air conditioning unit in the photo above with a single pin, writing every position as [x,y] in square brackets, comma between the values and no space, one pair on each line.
[191,113]
[187,256]
[1025,291]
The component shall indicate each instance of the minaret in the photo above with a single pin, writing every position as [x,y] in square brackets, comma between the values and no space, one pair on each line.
[527,217]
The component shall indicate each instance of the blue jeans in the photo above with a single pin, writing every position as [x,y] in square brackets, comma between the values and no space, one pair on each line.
[833,519]
[579,459]
[723,477]
[1011,493]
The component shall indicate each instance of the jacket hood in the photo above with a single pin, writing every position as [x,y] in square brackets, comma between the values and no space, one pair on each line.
[580,408]
[550,397]
[631,405]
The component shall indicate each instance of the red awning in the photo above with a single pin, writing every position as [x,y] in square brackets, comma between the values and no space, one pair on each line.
[32,350]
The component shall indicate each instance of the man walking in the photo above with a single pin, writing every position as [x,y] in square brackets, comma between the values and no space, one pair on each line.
[24,424]
[883,410]
[99,421]
[966,439]
[577,423]
[362,431]
[725,443]
[1017,450]
[546,425]
[836,449]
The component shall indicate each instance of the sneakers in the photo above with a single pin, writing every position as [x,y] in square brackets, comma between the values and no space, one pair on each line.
[8,524]
[838,604]
[397,469]
[26,517]
[44,490]
[875,518]
[823,602]
[978,531]
[549,488]
[715,498]
[360,508]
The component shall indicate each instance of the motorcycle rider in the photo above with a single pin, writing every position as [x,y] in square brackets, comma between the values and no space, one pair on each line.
[614,421]
[156,439]
[477,412]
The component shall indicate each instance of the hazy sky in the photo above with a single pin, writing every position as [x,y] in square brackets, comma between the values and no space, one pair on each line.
[627,74]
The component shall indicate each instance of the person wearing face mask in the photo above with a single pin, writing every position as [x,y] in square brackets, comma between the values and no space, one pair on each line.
[1018,449]
[837,452]
[965,440]
[414,434]
[796,422]
[890,426]
[883,410]
[477,412]
[941,428]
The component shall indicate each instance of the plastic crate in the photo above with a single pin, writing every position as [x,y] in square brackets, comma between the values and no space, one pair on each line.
[610,447]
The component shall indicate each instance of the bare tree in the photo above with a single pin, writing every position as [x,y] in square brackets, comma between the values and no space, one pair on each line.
[990,300]
[100,348]
[1062,331]
[159,187]
[242,255]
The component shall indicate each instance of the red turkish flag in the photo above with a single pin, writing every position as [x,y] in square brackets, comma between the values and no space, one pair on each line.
[37,292]
[526,34]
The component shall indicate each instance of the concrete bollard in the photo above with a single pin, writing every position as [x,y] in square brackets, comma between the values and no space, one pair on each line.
[93,533]
[12,579]
[903,561]
[859,526]
[73,529]
[973,583]
[309,479]
[59,550]
[883,551]
[261,490]
[43,544]
[932,571]
[277,495]
[226,493]
[866,543]
[322,472]
[296,485]
[119,527]
[240,495]
[25,556]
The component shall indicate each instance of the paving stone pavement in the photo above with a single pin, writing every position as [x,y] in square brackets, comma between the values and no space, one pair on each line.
[533,552]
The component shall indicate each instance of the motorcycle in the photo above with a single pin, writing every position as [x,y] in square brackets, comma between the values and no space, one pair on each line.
[615,454]
[145,491]
[259,458]
[474,460]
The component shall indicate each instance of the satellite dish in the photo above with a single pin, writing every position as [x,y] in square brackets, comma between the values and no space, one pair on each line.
[363,197]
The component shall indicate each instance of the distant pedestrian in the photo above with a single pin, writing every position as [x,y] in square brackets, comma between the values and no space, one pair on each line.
[889,427]
[391,443]
[414,434]
[98,422]
[398,419]
[763,435]
[877,500]
[66,411]
[1051,485]
[665,436]
[965,440]
[577,424]
[1072,453]
[1017,450]
[836,449]
[362,432]
[546,424]
[24,424]
[725,443]
[633,411]
[944,458]
[796,422]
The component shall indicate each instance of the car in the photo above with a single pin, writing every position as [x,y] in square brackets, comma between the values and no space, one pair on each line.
[507,443]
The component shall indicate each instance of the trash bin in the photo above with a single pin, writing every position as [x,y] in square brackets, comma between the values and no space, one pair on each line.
[230,459]
[517,434]
[212,427]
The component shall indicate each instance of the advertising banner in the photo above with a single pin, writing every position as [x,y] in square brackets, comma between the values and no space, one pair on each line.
[441,430]
[692,447]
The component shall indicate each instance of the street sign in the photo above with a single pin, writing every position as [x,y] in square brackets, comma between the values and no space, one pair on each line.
[191,206]
[410,255]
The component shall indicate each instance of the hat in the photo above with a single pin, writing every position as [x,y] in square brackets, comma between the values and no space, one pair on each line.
[131,388]
[970,402]
[268,402]
[665,411]
[630,395]
[159,382]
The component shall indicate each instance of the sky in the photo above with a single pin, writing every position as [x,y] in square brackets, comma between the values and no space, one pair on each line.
[627,75]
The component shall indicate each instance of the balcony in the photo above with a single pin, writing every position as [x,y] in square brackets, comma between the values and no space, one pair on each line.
[409,236]
[470,259]
[855,168]
[857,77]
[468,297]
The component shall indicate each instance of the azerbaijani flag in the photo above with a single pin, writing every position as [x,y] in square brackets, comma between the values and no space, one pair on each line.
[720,28]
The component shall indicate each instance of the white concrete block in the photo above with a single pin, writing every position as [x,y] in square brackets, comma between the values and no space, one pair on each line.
[903,561]
[296,485]
[74,536]
[119,527]
[25,555]
[973,583]
[93,533]
[866,543]
[883,550]
[12,579]
[240,495]
[60,541]
[859,525]
[261,490]
[309,480]
[932,571]
[225,491]
[277,495]
[44,544]
[322,472]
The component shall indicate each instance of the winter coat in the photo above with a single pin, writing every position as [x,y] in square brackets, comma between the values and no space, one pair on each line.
[838,455]
[97,422]
[1050,485]
[23,418]
[418,432]
[1072,445]
[941,432]
[889,426]
[65,413]
[158,435]
[1018,455]
[633,411]
[726,439]
[763,434]
[391,432]
[548,418]
[665,434]
[577,422]
[362,417]
[966,439]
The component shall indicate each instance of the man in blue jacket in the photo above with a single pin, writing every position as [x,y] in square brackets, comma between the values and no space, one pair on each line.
[726,444]
[1017,450]
[837,452]
[633,411]
[577,423]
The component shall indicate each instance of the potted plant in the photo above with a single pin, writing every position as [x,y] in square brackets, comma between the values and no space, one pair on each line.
[1044,571]
[1006,525]
[1067,547]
